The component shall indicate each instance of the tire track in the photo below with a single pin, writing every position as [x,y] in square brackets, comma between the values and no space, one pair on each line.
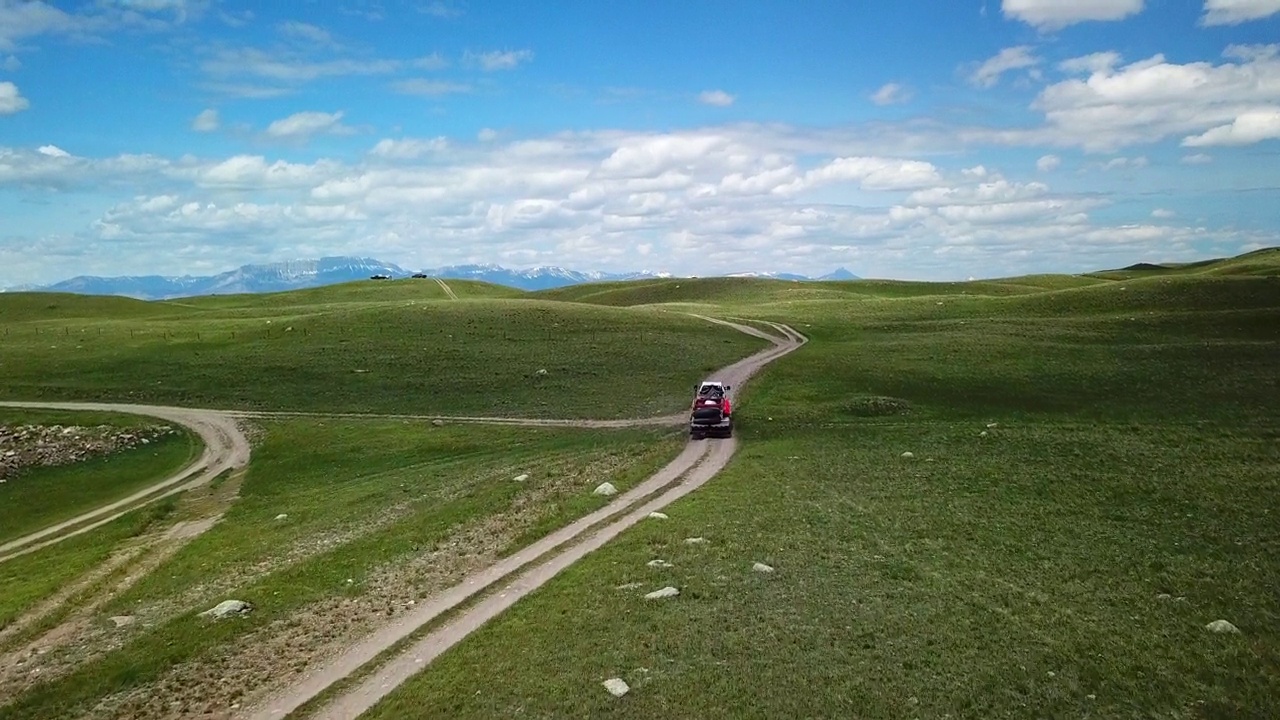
[448,291]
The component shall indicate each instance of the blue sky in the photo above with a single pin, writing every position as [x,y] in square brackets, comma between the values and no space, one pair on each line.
[934,139]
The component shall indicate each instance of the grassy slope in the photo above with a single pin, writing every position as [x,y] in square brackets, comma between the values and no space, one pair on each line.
[42,496]
[413,356]
[361,496]
[1019,574]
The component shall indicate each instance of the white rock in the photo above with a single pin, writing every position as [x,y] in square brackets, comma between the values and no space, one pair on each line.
[659,516]
[665,592]
[984,433]
[908,454]
[122,620]
[695,541]
[762,568]
[282,516]
[658,564]
[227,608]
[629,586]
[616,687]
[522,478]
[437,422]
[1221,626]
[991,425]
[542,371]
[1164,596]
[606,489]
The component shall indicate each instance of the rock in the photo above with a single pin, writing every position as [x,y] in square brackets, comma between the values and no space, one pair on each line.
[1222,626]
[658,564]
[227,608]
[1164,596]
[606,489]
[695,540]
[282,516]
[617,687]
[122,620]
[762,568]
[541,372]
[629,586]
[659,516]
[991,425]
[522,478]
[984,433]
[908,454]
[665,592]
[437,422]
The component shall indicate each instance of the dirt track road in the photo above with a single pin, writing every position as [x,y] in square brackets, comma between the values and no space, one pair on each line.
[697,464]
[225,448]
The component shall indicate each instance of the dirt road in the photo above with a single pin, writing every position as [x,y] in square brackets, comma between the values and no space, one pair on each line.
[697,464]
[225,448]
[447,290]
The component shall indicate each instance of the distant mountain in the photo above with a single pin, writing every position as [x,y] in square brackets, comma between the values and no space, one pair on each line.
[297,274]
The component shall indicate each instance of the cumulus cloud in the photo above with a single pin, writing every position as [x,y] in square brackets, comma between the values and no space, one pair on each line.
[24,19]
[1149,100]
[206,121]
[1234,12]
[497,59]
[1048,163]
[718,98]
[1013,58]
[11,100]
[1163,214]
[1052,15]
[53,151]
[409,148]
[1248,128]
[891,94]
[701,200]
[306,124]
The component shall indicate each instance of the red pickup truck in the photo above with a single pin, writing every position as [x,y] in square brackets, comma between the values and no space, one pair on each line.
[712,412]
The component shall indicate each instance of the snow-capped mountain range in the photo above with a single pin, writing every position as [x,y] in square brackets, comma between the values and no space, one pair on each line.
[297,274]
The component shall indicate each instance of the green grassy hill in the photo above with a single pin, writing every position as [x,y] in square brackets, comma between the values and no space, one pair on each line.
[1005,498]
[377,347]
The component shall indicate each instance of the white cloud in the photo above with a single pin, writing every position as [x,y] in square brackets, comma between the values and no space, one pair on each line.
[487,135]
[891,94]
[421,86]
[1248,128]
[497,59]
[24,19]
[1197,159]
[11,100]
[306,31]
[718,98]
[291,68]
[408,149]
[1234,12]
[1056,14]
[11,64]
[1013,58]
[1153,99]
[1100,62]
[206,121]
[1048,163]
[701,201]
[1123,163]
[53,151]
[306,124]
[1163,214]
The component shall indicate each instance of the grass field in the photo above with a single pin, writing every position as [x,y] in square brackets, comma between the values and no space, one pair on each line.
[42,496]
[378,513]
[1095,478]
[336,350]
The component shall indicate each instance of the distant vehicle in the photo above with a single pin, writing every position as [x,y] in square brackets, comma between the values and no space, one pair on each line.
[420,275]
[711,414]
[379,277]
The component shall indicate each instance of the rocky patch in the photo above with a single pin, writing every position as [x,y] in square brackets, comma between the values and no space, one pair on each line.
[26,446]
